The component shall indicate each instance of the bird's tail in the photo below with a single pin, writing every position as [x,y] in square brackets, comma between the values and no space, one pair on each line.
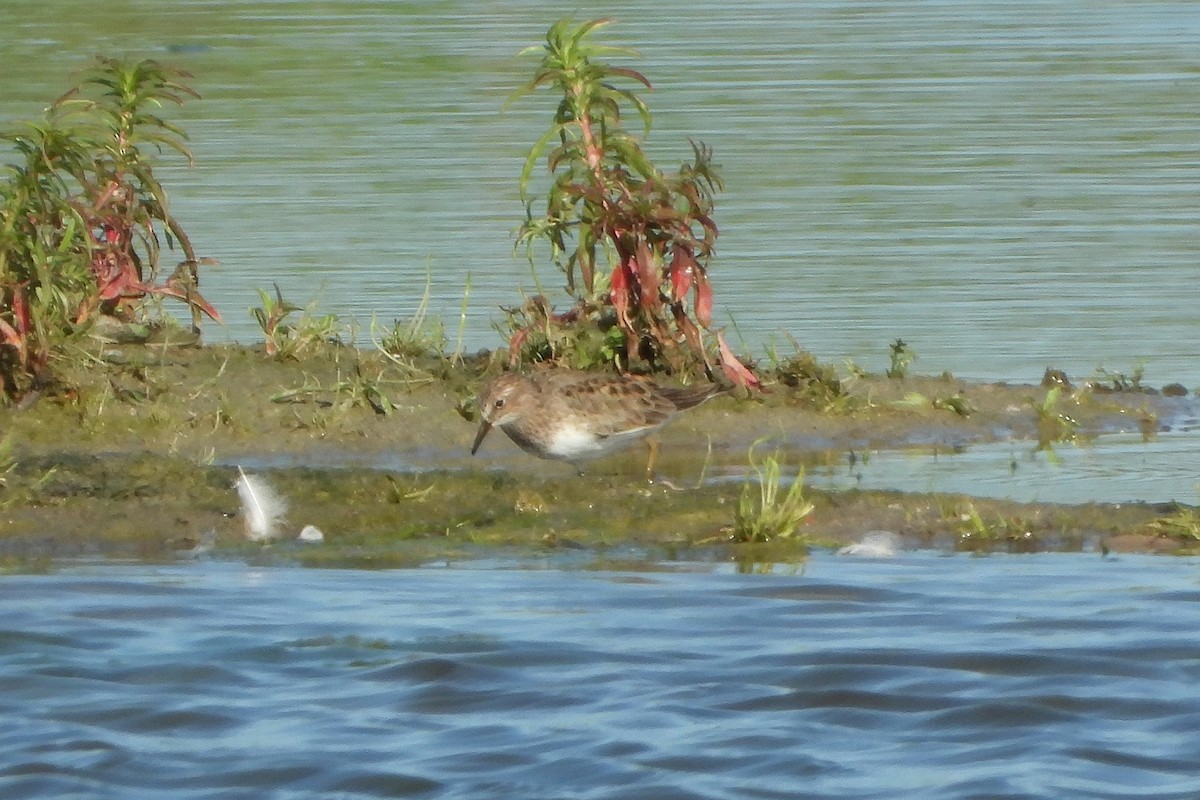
[684,397]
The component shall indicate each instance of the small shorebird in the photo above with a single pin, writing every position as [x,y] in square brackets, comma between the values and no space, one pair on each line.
[572,416]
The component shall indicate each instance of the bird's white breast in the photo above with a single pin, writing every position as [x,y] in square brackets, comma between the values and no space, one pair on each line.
[571,442]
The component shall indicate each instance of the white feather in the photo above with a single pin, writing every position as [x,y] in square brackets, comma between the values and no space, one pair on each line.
[874,544]
[262,508]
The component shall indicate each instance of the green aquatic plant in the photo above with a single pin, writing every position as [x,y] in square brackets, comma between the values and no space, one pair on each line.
[420,336]
[1052,423]
[417,345]
[579,340]
[362,389]
[812,382]
[352,388]
[975,531]
[270,317]
[293,340]
[398,493]
[1184,524]
[902,357]
[855,370]
[957,403]
[765,511]
[83,216]
[1107,381]
[632,240]
[457,356]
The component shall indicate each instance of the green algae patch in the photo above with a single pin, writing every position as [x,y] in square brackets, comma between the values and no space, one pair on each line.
[161,507]
[476,508]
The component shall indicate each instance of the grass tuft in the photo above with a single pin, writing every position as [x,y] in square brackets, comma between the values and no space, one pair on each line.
[765,512]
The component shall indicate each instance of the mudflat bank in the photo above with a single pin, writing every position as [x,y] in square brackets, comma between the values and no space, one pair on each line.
[140,457]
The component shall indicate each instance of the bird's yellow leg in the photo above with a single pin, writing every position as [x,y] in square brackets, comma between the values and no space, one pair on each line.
[652,458]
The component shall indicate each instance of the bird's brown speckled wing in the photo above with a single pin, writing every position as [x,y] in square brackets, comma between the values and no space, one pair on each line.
[614,406]
[684,397]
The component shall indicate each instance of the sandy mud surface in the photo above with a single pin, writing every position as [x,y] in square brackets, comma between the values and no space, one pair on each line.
[140,461]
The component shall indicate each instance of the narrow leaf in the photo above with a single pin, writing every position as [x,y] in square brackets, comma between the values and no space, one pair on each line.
[648,279]
[629,73]
[619,288]
[704,298]
[682,268]
[531,159]
[733,368]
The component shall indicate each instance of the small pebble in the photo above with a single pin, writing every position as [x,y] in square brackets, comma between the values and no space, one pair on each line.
[312,534]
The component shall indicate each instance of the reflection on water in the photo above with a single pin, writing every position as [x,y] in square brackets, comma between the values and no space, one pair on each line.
[1006,185]
[922,676]
[1111,469]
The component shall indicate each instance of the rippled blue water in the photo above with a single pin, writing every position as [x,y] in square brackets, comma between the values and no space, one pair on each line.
[923,676]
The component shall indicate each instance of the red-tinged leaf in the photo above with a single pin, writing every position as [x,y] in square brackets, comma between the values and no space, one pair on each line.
[515,343]
[620,284]
[682,271]
[691,333]
[86,309]
[169,292]
[9,336]
[117,289]
[191,298]
[647,276]
[102,200]
[704,299]
[733,368]
[629,73]
[122,281]
[666,217]
[568,317]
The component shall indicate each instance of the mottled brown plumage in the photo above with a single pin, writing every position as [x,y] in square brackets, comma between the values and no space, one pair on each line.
[572,416]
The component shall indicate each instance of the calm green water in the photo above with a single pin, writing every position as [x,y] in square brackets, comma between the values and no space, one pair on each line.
[1005,185]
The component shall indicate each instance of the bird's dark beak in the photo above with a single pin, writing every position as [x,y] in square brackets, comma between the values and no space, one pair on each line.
[484,427]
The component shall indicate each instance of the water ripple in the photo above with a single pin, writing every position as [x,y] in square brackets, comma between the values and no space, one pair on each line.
[923,676]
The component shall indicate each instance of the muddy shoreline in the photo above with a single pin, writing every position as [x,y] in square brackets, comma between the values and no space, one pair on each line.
[139,460]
